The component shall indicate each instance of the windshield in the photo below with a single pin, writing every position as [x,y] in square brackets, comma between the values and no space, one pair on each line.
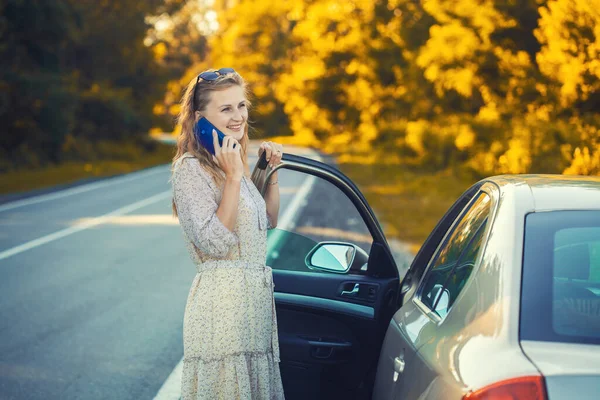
[560,294]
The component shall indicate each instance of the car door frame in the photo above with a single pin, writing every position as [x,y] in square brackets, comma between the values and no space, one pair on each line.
[412,278]
[341,181]
[381,265]
[418,374]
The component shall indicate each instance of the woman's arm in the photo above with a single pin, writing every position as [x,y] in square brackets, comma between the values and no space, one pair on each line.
[274,154]
[228,208]
[229,159]
[207,223]
[197,206]
[272,200]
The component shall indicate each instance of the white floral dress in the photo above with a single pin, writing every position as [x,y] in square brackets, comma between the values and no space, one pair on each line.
[231,350]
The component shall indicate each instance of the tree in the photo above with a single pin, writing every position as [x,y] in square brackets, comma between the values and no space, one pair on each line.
[37,106]
[75,69]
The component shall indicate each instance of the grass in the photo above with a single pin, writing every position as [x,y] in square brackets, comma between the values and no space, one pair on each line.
[408,202]
[31,179]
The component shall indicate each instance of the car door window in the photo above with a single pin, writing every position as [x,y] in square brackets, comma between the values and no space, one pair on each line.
[312,211]
[453,262]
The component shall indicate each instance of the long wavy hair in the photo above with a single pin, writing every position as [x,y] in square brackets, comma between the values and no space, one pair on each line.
[187,142]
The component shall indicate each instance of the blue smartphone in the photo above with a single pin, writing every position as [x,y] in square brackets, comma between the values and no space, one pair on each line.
[203,131]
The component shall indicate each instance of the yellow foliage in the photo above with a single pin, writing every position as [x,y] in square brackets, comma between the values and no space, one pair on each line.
[568,56]
[488,113]
[541,112]
[517,64]
[447,45]
[415,131]
[154,132]
[480,14]
[160,51]
[585,162]
[485,163]
[445,70]
[465,138]
[265,107]
[516,160]
[174,109]
[159,109]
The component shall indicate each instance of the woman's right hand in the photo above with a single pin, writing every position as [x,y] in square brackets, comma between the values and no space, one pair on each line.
[229,158]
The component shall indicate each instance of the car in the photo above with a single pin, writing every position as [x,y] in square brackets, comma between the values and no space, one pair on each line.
[501,301]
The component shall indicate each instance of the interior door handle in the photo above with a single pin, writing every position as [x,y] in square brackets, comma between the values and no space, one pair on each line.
[324,349]
[351,293]
[399,365]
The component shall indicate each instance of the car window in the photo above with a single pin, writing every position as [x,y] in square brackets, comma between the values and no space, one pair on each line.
[313,210]
[561,277]
[453,262]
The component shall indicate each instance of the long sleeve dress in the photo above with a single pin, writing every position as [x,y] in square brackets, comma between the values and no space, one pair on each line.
[231,349]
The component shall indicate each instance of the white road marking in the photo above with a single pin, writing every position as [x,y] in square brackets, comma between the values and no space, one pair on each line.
[171,389]
[133,220]
[286,221]
[84,225]
[82,188]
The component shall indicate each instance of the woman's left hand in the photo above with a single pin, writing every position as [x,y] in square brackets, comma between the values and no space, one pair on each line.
[274,152]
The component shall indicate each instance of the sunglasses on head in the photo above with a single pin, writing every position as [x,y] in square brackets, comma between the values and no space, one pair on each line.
[210,76]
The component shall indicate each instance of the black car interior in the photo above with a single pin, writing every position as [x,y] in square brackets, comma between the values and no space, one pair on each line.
[331,325]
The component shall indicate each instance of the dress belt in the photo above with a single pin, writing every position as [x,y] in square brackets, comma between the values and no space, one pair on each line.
[237,264]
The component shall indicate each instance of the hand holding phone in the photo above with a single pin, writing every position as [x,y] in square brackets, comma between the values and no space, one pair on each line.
[228,156]
[204,134]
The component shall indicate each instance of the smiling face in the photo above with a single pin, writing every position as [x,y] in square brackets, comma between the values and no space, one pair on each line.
[228,111]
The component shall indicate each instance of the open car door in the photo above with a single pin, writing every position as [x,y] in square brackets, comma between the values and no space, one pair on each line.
[336,283]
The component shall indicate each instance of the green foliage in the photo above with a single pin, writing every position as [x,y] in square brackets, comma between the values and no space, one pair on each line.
[75,69]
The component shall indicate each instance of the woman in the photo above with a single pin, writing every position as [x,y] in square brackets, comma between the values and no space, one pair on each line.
[231,349]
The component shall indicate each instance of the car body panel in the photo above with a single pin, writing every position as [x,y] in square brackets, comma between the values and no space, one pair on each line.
[477,342]
[570,370]
[560,192]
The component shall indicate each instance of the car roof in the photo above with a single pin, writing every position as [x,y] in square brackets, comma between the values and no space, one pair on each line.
[555,192]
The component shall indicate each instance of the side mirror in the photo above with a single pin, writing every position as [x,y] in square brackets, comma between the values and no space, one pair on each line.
[334,257]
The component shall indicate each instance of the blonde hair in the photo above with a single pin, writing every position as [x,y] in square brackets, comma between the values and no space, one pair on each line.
[187,142]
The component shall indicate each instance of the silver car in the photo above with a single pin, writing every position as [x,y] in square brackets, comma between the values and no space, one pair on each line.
[509,304]
[501,301]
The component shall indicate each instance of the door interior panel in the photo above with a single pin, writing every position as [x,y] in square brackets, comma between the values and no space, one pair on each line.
[329,342]
[324,355]
[310,338]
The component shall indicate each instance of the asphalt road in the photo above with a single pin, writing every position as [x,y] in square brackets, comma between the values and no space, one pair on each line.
[94,280]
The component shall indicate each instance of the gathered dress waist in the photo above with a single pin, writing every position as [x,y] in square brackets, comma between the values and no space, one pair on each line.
[241,265]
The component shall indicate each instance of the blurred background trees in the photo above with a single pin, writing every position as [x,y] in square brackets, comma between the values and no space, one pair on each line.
[79,78]
[490,86]
[493,86]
